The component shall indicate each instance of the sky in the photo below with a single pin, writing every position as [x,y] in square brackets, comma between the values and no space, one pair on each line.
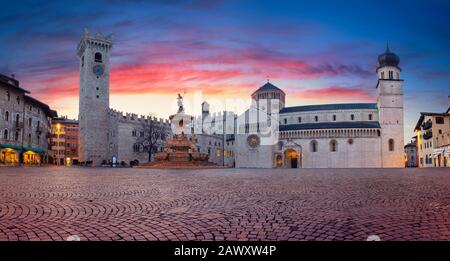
[316,51]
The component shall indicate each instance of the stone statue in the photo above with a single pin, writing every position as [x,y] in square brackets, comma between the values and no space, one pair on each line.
[180,103]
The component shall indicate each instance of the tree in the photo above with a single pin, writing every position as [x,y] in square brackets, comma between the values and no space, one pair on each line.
[151,136]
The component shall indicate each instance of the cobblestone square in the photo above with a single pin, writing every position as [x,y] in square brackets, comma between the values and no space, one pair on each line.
[224,204]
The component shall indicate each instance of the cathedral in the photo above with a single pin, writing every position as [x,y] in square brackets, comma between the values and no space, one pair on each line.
[267,135]
[347,135]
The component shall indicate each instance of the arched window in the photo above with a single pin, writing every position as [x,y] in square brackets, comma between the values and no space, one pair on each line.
[334,117]
[98,57]
[299,119]
[29,122]
[6,115]
[333,145]
[8,96]
[316,118]
[352,117]
[5,134]
[16,136]
[391,144]
[313,146]
[370,117]
[17,118]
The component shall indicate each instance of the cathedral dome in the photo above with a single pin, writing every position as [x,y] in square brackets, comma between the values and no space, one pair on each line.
[268,87]
[388,58]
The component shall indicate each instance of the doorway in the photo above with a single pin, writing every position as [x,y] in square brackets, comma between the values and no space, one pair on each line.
[291,158]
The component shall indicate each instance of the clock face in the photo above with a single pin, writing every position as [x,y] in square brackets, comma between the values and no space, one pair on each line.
[98,70]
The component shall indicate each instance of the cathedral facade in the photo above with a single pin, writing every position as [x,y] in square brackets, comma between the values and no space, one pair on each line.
[351,135]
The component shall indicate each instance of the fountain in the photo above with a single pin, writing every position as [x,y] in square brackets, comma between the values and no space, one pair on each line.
[180,151]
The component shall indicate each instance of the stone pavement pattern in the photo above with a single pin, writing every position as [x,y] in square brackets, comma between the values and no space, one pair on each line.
[224,204]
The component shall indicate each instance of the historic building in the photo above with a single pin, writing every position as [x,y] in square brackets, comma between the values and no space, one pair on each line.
[24,125]
[411,159]
[106,135]
[433,139]
[64,141]
[352,135]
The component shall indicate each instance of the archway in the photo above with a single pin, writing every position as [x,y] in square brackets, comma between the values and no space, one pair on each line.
[291,158]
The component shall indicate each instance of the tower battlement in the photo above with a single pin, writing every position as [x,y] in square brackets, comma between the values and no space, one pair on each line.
[133,117]
[94,41]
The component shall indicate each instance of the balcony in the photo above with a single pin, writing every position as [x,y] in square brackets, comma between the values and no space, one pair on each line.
[18,125]
[427,135]
[427,125]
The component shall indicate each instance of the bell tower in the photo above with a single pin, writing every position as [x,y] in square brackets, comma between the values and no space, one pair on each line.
[390,109]
[93,52]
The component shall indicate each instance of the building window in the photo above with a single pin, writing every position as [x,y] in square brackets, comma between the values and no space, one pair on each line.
[82,61]
[134,133]
[16,136]
[352,117]
[6,115]
[8,96]
[98,57]
[334,117]
[29,138]
[439,120]
[316,118]
[136,148]
[333,146]
[18,100]
[313,146]
[29,122]
[382,75]
[5,134]
[38,139]
[299,119]
[391,145]
[17,118]
[370,117]
[285,121]
[391,75]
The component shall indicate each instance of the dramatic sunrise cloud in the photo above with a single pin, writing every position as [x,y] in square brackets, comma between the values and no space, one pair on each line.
[317,52]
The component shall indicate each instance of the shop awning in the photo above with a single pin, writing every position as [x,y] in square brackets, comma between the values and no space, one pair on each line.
[37,150]
[438,151]
[10,146]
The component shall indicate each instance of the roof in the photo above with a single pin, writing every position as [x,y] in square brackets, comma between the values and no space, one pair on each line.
[323,107]
[268,87]
[332,125]
[423,114]
[388,58]
[51,113]
[12,83]
[64,120]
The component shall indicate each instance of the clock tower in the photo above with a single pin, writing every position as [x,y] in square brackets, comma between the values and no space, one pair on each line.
[93,52]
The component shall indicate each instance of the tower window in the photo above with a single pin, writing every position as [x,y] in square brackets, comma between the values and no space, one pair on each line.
[285,121]
[82,61]
[316,118]
[6,115]
[398,75]
[97,96]
[98,57]
[391,75]
[299,119]
[382,75]
[352,117]
[391,145]
[334,117]
[370,117]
